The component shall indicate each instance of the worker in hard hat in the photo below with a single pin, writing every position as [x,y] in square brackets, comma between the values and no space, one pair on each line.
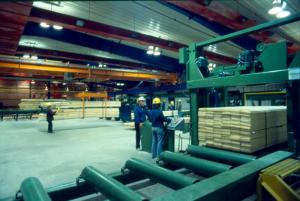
[157,119]
[171,105]
[50,116]
[139,119]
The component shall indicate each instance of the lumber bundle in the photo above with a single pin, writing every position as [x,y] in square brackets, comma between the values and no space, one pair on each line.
[243,129]
[75,109]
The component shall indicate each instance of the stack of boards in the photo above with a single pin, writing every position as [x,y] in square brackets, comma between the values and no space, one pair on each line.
[75,109]
[243,129]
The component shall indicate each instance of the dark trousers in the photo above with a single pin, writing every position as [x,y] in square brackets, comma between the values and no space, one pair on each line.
[137,135]
[50,127]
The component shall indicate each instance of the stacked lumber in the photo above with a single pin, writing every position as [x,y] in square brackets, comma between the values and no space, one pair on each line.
[243,129]
[276,126]
[67,109]
[33,104]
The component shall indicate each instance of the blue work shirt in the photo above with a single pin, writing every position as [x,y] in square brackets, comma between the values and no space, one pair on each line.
[157,118]
[139,114]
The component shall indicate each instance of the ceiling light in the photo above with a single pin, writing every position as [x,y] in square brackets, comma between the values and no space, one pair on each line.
[104,65]
[34,57]
[26,56]
[156,53]
[86,89]
[283,14]
[46,88]
[67,89]
[100,65]
[57,27]
[44,25]
[150,52]
[32,82]
[150,49]
[278,6]
[64,83]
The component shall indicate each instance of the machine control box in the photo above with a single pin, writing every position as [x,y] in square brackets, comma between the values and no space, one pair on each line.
[177,123]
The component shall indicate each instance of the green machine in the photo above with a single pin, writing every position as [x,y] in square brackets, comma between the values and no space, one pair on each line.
[268,63]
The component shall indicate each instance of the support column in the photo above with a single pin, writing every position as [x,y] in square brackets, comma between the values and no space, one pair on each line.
[49,88]
[194,117]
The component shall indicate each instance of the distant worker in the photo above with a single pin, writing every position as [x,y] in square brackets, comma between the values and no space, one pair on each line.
[157,119]
[179,108]
[50,117]
[139,119]
[171,105]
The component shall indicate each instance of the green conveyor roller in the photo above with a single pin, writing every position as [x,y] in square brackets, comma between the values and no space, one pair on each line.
[111,188]
[33,190]
[201,166]
[169,178]
[218,155]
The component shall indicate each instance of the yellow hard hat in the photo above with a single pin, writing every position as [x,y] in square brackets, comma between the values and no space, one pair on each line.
[156,101]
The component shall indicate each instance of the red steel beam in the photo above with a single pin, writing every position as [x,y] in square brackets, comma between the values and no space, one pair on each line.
[221,14]
[13,17]
[40,15]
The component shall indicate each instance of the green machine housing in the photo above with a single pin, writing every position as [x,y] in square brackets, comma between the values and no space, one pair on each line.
[267,64]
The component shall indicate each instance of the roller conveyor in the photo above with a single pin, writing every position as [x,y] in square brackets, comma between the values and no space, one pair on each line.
[178,175]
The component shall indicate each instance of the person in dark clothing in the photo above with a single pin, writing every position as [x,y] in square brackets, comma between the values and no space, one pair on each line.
[157,119]
[139,119]
[50,117]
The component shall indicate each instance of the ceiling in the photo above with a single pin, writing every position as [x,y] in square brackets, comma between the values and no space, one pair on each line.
[119,32]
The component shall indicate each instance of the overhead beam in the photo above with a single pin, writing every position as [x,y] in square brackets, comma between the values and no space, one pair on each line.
[221,29]
[68,56]
[69,22]
[82,39]
[13,17]
[86,72]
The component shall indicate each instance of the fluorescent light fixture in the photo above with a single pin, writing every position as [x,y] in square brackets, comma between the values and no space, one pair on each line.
[100,65]
[283,14]
[34,57]
[44,25]
[32,82]
[150,52]
[156,53]
[278,6]
[57,27]
[26,56]
[104,65]
[64,83]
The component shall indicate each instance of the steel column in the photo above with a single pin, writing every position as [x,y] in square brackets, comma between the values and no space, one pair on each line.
[167,177]
[201,166]
[220,155]
[33,190]
[194,117]
[110,187]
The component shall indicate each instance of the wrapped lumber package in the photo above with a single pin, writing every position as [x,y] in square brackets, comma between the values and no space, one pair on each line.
[243,129]
[276,125]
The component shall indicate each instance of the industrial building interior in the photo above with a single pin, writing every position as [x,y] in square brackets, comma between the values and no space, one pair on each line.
[173,100]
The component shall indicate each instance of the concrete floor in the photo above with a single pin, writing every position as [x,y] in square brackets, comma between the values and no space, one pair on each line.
[26,149]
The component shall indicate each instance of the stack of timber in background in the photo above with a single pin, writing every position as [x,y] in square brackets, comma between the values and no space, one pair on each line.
[243,129]
[67,109]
